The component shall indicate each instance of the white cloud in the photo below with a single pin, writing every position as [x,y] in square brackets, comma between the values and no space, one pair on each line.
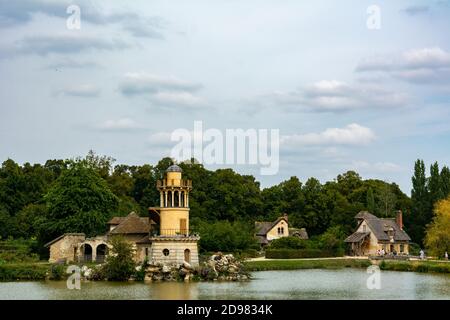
[353,134]
[417,65]
[83,90]
[336,96]
[123,124]
[376,167]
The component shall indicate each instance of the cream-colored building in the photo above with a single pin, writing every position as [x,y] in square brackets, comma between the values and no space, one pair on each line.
[266,231]
[374,234]
[165,237]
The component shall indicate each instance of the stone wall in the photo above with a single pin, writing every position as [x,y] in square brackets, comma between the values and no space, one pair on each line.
[66,248]
[176,252]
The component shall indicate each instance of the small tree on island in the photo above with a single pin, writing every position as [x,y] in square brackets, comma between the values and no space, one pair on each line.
[119,265]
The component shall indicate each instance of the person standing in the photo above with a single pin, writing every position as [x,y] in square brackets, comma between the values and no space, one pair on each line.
[422,254]
[446,255]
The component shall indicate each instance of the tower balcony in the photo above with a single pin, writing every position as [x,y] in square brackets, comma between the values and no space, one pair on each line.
[173,233]
[173,183]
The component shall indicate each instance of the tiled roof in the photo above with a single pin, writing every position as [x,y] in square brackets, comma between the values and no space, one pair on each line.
[132,224]
[301,233]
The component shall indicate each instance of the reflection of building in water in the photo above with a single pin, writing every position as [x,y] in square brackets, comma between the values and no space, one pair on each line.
[164,237]
[174,290]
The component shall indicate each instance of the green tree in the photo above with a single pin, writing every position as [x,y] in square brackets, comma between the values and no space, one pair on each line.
[370,200]
[445,181]
[435,185]
[119,264]
[79,201]
[420,211]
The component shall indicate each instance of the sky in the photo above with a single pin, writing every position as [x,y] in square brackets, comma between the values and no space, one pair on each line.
[348,88]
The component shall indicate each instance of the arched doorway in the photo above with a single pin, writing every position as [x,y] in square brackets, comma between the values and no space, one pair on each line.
[187,255]
[86,250]
[101,252]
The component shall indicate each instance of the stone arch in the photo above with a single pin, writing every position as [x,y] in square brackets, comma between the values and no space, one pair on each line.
[101,252]
[187,255]
[86,252]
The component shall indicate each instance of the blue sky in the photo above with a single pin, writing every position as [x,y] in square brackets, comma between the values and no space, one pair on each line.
[343,96]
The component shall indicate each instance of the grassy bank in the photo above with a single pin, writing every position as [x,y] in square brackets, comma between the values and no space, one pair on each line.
[289,264]
[416,266]
[305,264]
[25,271]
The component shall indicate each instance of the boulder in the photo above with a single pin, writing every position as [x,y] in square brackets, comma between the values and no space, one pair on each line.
[166,269]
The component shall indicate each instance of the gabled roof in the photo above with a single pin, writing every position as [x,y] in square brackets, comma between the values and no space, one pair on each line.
[357,237]
[262,227]
[62,236]
[131,224]
[381,226]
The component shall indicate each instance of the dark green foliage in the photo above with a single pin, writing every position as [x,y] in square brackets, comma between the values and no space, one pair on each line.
[226,236]
[305,264]
[57,272]
[289,243]
[79,201]
[299,253]
[119,264]
[23,271]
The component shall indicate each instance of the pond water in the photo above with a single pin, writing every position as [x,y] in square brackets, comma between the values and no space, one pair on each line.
[296,284]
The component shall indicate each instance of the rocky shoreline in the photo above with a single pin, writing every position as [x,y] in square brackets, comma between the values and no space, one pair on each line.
[218,267]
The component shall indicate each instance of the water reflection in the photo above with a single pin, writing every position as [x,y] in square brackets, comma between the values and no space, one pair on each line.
[297,284]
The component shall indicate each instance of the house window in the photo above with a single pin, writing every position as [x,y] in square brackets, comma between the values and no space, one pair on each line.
[146,252]
[282,230]
[166,252]
[402,248]
[279,230]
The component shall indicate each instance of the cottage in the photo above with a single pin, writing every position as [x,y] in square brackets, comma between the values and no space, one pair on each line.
[267,231]
[165,237]
[374,234]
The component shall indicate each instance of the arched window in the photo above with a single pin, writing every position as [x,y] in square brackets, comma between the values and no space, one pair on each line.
[176,199]
[282,230]
[187,255]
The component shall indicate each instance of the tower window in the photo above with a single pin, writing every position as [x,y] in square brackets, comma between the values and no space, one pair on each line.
[166,252]
[146,252]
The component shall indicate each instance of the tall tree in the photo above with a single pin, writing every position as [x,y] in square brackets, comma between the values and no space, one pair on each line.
[445,181]
[370,201]
[79,201]
[420,210]
[435,185]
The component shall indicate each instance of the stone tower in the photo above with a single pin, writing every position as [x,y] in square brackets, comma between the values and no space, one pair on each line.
[174,242]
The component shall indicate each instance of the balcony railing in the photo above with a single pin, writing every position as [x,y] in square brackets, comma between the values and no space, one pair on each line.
[170,183]
[173,233]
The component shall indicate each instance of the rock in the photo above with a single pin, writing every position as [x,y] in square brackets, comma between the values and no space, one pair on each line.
[138,268]
[157,277]
[166,269]
[148,277]
[152,269]
[84,268]
[88,273]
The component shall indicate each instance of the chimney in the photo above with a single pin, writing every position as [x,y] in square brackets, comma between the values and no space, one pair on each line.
[285,216]
[399,219]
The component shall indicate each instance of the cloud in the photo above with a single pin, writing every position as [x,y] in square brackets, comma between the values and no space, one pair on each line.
[352,135]
[417,66]
[84,90]
[416,10]
[335,96]
[19,12]
[164,91]
[376,167]
[71,64]
[122,124]
[64,44]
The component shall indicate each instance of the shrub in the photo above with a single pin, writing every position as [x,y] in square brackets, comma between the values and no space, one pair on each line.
[289,243]
[298,254]
[119,264]
[57,272]
[21,271]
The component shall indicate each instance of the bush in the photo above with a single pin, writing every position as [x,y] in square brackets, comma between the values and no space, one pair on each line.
[289,243]
[57,272]
[12,272]
[298,254]
[119,264]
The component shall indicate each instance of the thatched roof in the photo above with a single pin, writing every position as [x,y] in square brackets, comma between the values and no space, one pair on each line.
[300,233]
[131,224]
[357,237]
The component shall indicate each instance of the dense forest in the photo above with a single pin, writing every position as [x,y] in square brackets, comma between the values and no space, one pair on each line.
[80,195]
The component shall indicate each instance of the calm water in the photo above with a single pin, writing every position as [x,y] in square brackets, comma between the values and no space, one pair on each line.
[298,284]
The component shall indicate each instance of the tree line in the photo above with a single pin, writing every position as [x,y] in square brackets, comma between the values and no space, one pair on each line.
[43,201]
